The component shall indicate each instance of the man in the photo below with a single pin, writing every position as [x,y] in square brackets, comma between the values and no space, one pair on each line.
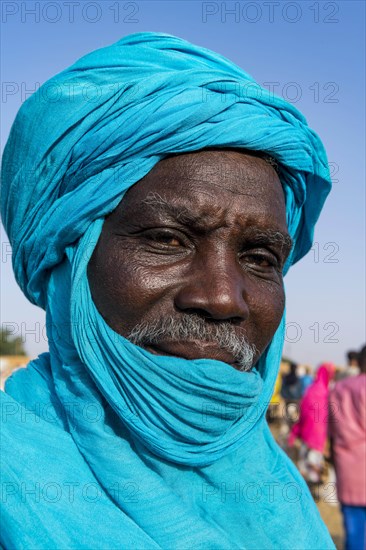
[352,364]
[153,218]
[348,443]
[351,369]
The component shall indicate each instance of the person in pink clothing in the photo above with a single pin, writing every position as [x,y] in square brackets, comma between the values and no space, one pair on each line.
[348,443]
[312,426]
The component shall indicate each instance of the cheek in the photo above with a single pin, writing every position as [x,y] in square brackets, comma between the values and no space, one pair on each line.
[266,305]
[126,287]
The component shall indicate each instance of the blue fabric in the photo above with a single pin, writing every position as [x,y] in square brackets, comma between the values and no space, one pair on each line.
[354,518]
[107,445]
[306,381]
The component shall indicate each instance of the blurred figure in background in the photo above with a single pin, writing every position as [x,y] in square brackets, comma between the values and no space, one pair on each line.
[291,393]
[291,385]
[348,443]
[312,427]
[306,379]
[352,368]
[277,415]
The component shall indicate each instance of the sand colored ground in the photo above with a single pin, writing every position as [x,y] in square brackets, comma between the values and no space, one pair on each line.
[332,517]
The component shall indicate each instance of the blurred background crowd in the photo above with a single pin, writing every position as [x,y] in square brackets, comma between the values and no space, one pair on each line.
[318,417]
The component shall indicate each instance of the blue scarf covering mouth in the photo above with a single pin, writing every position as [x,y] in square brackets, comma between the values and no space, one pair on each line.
[187,411]
[180,429]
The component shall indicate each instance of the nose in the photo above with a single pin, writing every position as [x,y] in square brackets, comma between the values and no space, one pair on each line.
[215,289]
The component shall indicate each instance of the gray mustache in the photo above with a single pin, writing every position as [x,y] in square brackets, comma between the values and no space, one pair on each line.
[193,327]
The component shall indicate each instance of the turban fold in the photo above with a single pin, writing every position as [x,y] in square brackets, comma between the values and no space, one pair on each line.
[177,451]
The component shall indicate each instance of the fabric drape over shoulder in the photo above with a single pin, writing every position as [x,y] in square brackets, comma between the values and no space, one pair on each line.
[107,445]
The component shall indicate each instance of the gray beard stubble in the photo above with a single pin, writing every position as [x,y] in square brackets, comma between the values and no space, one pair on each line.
[193,327]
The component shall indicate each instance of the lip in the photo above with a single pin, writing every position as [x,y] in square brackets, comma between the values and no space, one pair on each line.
[192,349]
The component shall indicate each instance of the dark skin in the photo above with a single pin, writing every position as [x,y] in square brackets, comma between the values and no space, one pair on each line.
[201,233]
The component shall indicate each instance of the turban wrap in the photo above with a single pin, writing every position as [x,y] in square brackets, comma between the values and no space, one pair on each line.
[109,445]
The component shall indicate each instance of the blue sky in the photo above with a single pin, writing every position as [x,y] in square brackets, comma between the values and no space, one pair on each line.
[311,53]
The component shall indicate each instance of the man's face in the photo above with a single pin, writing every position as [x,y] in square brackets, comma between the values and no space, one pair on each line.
[192,257]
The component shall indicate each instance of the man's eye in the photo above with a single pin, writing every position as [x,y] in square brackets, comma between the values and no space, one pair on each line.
[165,238]
[261,260]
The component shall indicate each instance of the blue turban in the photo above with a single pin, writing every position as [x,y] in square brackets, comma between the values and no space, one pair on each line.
[107,445]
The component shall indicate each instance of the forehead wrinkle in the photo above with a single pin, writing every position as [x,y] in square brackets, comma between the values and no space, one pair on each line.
[231,171]
[240,182]
[181,213]
[235,192]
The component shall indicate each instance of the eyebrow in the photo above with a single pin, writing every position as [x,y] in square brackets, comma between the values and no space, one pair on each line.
[184,215]
[161,205]
[273,237]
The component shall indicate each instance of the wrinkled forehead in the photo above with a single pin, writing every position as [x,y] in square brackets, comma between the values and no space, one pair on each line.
[209,182]
[235,170]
